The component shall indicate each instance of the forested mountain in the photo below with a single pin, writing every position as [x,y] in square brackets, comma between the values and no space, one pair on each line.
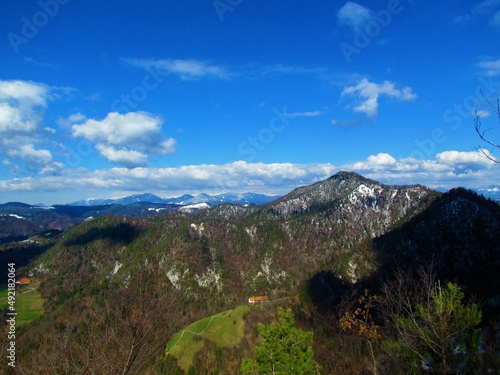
[20,221]
[332,237]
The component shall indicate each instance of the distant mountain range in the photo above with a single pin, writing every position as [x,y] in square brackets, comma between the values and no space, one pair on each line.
[317,245]
[19,221]
[186,199]
[492,191]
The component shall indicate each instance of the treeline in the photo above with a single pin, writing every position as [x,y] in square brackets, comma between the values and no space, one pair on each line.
[411,323]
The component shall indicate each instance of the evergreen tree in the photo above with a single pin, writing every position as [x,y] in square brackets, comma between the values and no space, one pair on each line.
[439,335]
[285,350]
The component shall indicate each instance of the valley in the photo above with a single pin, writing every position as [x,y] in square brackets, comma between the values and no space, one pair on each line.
[169,293]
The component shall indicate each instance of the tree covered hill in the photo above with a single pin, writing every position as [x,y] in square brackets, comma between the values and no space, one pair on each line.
[346,226]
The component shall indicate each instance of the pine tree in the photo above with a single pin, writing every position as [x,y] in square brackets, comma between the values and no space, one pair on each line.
[285,350]
[439,335]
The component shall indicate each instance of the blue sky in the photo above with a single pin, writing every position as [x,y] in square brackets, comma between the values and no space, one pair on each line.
[105,99]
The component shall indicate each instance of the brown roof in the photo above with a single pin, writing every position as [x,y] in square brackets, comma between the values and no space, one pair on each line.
[258,298]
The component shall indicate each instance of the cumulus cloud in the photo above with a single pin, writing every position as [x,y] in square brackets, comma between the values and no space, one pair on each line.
[185,69]
[22,110]
[353,15]
[237,176]
[35,160]
[21,105]
[126,157]
[460,160]
[447,170]
[366,95]
[375,162]
[71,120]
[126,139]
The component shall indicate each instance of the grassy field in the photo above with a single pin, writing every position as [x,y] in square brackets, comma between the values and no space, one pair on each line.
[224,329]
[29,302]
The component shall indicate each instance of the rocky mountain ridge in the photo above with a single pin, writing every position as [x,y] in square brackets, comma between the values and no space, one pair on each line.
[229,251]
[346,233]
[20,221]
[270,248]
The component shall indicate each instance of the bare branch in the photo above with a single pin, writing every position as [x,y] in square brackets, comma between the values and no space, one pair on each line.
[478,126]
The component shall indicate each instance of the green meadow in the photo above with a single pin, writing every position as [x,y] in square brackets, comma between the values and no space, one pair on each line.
[29,302]
[223,329]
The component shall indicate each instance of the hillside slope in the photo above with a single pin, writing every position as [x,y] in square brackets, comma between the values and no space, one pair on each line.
[347,226]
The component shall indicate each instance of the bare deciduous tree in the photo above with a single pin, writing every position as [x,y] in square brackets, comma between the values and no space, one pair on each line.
[122,329]
[436,330]
[491,143]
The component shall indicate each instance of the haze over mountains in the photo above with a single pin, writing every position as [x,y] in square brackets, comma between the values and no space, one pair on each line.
[244,198]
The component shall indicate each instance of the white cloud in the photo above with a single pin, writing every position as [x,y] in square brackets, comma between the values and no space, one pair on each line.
[303,114]
[447,170]
[483,113]
[54,168]
[490,67]
[353,15]
[22,129]
[21,106]
[483,9]
[237,176]
[34,159]
[71,120]
[464,160]
[128,158]
[373,163]
[120,129]
[126,139]
[366,95]
[185,69]
[348,124]
[24,91]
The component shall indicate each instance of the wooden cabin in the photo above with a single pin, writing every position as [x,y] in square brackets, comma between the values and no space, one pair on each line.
[258,299]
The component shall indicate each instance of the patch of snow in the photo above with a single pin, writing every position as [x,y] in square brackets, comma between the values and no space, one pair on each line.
[14,215]
[194,207]
[158,209]
[116,268]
